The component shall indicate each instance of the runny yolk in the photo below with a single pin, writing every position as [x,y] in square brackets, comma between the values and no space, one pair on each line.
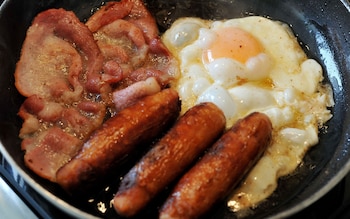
[235,43]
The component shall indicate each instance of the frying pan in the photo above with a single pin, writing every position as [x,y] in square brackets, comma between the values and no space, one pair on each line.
[323,30]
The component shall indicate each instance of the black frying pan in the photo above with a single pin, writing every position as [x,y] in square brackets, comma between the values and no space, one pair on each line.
[323,29]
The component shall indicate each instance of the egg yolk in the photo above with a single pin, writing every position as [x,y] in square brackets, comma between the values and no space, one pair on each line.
[233,43]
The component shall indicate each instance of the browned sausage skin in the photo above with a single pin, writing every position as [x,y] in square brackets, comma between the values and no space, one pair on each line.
[220,169]
[195,131]
[119,136]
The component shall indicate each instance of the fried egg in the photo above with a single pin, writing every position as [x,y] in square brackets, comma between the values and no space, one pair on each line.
[253,64]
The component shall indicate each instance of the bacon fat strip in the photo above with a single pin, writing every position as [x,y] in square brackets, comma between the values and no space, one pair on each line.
[194,132]
[118,136]
[214,176]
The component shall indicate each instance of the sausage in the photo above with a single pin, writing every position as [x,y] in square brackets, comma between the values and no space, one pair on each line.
[119,136]
[220,169]
[194,132]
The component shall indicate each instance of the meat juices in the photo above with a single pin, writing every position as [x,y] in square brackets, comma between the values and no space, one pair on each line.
[118,136]
[128,37]
[220,169]
[196,130]
[61,54]
[72,74]
[55,75]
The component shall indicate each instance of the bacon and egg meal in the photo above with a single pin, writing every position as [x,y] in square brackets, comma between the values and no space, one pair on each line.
[221,109]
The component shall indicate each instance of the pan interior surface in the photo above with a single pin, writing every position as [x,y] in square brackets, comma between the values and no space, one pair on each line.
[323,31]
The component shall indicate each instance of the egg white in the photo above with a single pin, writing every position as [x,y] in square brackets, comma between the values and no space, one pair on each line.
[281,82]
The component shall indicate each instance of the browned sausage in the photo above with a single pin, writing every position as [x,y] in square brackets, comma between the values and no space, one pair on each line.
[119,136]
[220,169]
[195,131]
